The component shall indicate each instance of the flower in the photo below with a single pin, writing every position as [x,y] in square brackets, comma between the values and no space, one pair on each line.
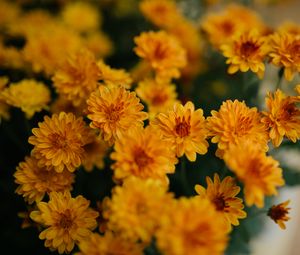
[184,127]
[290,28]
[234,123]
[98,43]
[279,213]
[114,111]
[62,104]
[34,181]
[192,226]
[282,117]
[58,141]
[245,52]
[78,77]
[4,107]
[162,51]
[29,95]
[67,220]
[223,196]
[260,173]
[142,153]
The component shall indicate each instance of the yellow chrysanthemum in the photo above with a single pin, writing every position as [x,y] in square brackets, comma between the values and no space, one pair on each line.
[223,196]
[159,96]
[260,173]
[109,244]
[184,127]
[34,181]
[59,140]
[114,111]
[234,123]
[247,51]
[4,107]
[279,213]
[98,43]
[162,51]
[67,220]
[78,77]
[135,208]
[282,117]
[192,226]
[285,53]
[11,57]
[142,153]
[29,95]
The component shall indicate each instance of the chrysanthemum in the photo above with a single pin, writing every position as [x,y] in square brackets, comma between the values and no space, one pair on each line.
[34,181]
[78,77]
[67,220]
[159,96]
[108,244]
[142,153]
[285,53]
[162,51]
[29,95]
[289,28]
[135,208]
[234,123]
[223,196]
[62,104]
[59,140]
[279,213]
[282,117]
[245,52]
[192,226]
[114,111]
[260,173]
[185,128]
[4,107]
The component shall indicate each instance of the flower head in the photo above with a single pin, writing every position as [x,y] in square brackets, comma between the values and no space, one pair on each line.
[4,107]
[279,213]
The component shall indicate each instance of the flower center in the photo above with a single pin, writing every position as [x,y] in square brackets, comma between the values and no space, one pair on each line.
[248,48]
[114,112]
[159,99]
[141,158]
[160,51]
[277,213]
[219,203]
[65,221]
[227,27]
[182,127]
[58,141]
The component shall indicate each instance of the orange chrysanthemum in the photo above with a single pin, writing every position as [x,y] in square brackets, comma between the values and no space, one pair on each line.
[234,123]
[279,213]
[184,127]
[114,111]
[282,117]
[59,141]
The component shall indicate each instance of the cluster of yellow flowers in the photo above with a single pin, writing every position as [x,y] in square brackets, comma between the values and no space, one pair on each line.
[99,110]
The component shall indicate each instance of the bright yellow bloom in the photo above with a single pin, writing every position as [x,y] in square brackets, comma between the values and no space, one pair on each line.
[67,220]
[223,196]
[260,173]
[108,244]
[184,127]
[135,208]
[285,53]
[4,107]
[34,181]
[247,51]
[78,77]
[142,153]
[234,123]
[59,140]
[162,51]
[29,95]
[114,111]
[192,226]
[279,213]
[282,117]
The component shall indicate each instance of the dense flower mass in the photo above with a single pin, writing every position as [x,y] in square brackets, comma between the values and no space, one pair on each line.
[279,213]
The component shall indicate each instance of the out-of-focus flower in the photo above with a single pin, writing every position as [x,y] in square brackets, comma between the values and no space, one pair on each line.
[98,43]
[62,104]
[11,57]
[4,107]
[279,213]
[8,13]
[289,28]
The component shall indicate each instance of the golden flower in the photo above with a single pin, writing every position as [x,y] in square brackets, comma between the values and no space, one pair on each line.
[260,173]
[162,51]
[29,95]
[108,244]
[4,107]
[282,117]
[279,213]
[98,43]
[114,111]
[34,181]
[78,77]
[135,208]
[142,153]
[59,140]
[62,104]
[245,52]
[67,220]
[11,57]
[223,196]
[158,96]
[184,127]
[285,53]
[8,12]
[290,28]
[192,226]
[234,123]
